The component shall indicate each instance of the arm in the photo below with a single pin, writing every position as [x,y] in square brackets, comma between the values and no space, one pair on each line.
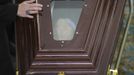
[8,12]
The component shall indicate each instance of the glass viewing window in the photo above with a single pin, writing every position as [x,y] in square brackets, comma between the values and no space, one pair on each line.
[65,15]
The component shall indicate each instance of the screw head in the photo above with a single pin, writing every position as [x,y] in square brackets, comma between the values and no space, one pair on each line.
[48,5]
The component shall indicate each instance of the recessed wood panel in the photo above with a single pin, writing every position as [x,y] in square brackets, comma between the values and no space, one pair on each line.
[88,53]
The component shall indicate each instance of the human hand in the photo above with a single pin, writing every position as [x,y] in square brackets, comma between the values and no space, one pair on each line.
[27,8]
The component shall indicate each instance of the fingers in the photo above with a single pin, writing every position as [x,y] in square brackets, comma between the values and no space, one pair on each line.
[35,7]
[30,1]
[29,16]
[27,8]
[33,12]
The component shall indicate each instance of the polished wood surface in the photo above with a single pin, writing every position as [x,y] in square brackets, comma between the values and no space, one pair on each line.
[89,53]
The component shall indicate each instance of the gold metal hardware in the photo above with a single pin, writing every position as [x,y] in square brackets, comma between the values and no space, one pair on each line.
[108,71]
[112,71]
[61,73]
[115,70]
[17,72]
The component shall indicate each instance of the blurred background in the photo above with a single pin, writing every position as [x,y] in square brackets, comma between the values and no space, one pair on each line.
[126,66]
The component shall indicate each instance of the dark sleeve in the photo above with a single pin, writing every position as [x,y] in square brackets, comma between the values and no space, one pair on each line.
[8,12]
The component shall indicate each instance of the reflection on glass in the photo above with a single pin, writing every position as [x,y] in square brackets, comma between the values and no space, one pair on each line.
[65,15]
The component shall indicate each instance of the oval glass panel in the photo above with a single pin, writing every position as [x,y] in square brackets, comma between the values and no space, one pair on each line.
[65,15]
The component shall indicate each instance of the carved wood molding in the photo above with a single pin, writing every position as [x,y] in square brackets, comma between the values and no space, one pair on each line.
[90,52]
